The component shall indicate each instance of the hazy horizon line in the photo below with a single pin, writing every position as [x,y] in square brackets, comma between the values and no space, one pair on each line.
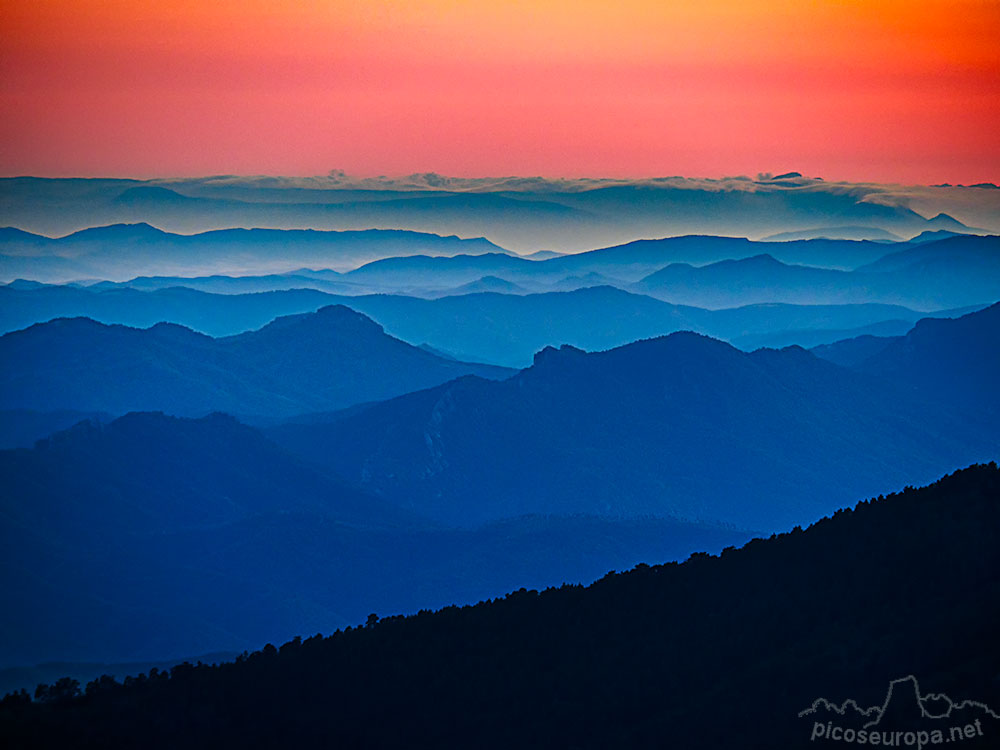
[337,176]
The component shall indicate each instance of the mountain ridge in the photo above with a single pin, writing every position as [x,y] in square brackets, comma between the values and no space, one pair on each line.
[679,424]
[281,369]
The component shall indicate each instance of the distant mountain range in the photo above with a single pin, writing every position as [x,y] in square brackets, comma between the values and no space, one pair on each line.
[123,251]
[380,259]
[952,272]
[509,329]
[318,361]
[501,328]
[626,263]
[717,652]
[712,272]
[214,314]
[522,214]
[837,233]
[681,425]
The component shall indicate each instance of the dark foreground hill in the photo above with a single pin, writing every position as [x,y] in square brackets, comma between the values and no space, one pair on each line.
[717,652]
[153,537]
[328,359]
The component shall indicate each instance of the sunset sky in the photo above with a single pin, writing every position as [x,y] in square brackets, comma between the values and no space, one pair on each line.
[887,90]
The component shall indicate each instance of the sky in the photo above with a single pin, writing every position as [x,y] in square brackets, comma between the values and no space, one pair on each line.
[868,90]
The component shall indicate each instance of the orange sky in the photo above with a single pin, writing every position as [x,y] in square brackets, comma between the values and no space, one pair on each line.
[888,90]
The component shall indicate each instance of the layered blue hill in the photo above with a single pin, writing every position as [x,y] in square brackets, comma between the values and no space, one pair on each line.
[318,361]
[153,537]
[123,251]
[680,425]
[504,329]
[956,362]
[952,272]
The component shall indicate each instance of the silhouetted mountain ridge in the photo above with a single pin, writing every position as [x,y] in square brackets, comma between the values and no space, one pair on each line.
[525,215]
[953,272]
[504,329]
[124,251]
[680,425]
[955,362]
[301,363]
